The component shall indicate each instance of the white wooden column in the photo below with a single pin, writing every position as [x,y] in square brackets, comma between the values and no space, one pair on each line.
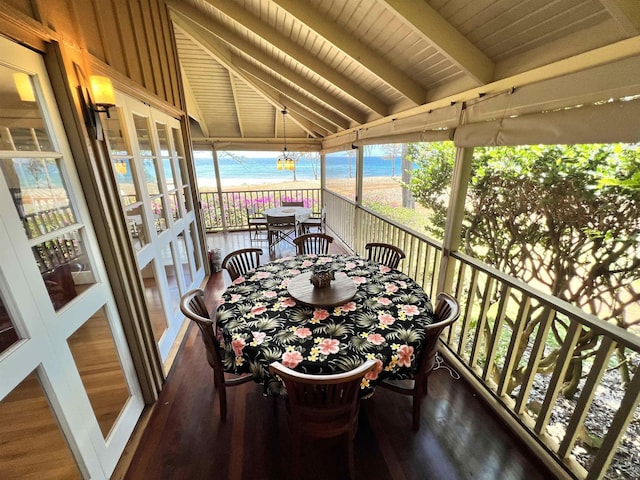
[455,215]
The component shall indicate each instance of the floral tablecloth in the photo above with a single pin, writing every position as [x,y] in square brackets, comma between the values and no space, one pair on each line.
[261,323]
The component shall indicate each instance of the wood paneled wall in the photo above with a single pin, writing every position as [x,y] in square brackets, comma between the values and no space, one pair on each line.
[131,39]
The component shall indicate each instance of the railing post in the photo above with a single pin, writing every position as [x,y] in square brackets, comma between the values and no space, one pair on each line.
[455,216]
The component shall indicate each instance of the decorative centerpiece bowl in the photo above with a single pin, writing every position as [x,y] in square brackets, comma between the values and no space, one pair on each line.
[321,276]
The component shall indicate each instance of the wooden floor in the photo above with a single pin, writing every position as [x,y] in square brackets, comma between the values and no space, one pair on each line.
[185,438]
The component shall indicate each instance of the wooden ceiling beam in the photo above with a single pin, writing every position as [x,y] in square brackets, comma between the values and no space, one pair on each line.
[626,13]
[224,34]
[358,51]
[236,107]
[322,114]
[208,43]
[299,54]
[192,104]
[426,21]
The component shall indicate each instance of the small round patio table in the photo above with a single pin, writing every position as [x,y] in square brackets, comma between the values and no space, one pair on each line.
[301,213]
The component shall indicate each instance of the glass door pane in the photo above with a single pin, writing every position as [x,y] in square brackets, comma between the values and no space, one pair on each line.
[96,357]
[33,446]
[41,199]
[154,301]
[61,338]
[168,255]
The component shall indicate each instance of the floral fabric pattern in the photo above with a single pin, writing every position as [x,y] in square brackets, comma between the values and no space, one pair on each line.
[262,323]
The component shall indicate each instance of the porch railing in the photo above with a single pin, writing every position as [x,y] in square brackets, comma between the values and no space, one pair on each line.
[518,345]
[227,210]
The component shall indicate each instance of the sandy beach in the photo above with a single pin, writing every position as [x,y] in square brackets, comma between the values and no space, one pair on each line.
[385,189]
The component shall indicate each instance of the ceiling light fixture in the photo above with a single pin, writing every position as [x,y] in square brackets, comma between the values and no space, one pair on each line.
[285,162]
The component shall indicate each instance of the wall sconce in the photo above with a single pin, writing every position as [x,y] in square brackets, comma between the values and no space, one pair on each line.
[24,87]
[103,97]
[98,99]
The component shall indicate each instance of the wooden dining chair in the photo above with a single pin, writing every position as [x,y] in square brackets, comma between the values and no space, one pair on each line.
[193,307]
[322,406]
[309,243]
[239,262]
[447,311]
[292,203]
[281,229]
[384,253]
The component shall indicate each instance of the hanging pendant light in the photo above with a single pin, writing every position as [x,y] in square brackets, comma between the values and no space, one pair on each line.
[285,162]
[120,167]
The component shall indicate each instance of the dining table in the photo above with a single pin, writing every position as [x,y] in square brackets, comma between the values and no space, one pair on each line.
[301,213]
[268,315]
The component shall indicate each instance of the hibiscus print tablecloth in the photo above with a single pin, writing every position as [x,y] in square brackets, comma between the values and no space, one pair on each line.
[261,323]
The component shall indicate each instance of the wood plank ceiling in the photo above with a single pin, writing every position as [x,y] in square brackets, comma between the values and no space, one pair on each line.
[339,64]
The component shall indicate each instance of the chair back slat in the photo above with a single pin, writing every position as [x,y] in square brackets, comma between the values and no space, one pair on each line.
[292,203]
[322,405]
[313,243]
[239,262]
[384,253]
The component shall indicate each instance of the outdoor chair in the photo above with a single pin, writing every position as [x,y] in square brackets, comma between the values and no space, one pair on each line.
[291,203]
[193,307]
[281,229]
[257,223]
[309,243]
[60,284]
[447,311]
[322,406]
[239,262]
[388,255]
[317,221]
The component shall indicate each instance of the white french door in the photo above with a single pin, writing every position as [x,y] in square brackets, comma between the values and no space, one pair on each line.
[149,165]
[69,395]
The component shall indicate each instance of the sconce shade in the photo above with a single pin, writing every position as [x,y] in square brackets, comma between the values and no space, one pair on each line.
[24,87]
[279,164]
[102,91]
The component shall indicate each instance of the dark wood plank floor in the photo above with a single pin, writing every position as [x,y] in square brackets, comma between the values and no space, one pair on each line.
[185,438]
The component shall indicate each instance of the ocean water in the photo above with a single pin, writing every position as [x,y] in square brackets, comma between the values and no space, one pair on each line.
[263,170]
[232,171]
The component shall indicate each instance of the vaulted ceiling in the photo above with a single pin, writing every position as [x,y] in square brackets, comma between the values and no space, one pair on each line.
[336,65]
